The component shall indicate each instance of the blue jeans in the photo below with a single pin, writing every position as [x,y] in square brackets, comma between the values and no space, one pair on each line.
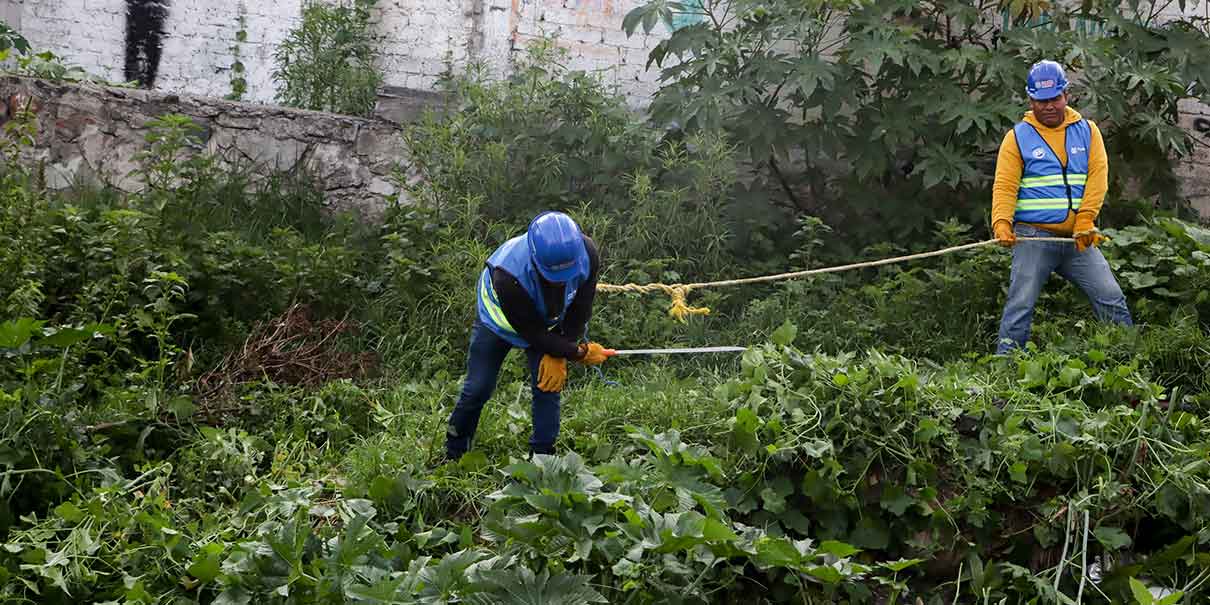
[1033,262]
[487,352]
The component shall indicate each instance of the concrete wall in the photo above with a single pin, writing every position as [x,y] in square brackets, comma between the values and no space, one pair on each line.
[92,134]
[1195,169]
[418,37]
[1195,118]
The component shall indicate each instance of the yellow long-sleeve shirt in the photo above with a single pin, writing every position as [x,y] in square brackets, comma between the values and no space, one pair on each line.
[1010,165]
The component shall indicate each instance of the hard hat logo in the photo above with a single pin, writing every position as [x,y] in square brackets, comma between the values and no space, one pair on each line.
[1046,80]
[556,247]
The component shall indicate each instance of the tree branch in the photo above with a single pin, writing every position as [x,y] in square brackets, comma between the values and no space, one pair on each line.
[785,185]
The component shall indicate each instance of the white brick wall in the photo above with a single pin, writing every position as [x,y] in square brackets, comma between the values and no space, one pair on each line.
[87,33]
[418,38]
[1193,8]
[591,30]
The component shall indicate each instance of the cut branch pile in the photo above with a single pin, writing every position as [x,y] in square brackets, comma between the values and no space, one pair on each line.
[293,349]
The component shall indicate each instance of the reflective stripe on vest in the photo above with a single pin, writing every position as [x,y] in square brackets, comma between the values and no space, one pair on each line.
[1048,189]
[490,304]
[513,257]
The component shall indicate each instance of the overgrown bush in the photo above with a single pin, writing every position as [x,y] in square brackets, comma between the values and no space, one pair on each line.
[883,117]
[326,63]
[549,138]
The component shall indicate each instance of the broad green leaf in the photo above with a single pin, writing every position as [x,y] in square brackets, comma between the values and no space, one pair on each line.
[815,448]
[793,519]
[384,591]
[69,512]
[521,586]
[785,334]
[716,531]
[17,332]
[895,500]
[1171,599]
[871,534]
[65,337]
[926,430]
[473,461]
[1017,472]
[744,429]
[827,573]
[901,564]
[838,549]
[1142,596]
[205,567]
[650,19]
[1112,538]
[382,488]
[777,552]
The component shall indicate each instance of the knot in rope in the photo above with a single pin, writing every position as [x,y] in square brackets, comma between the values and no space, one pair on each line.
[680,309]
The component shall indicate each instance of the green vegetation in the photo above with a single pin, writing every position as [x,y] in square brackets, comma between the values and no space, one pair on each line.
[239,80]
[326,63]
[217,391]
[886,116]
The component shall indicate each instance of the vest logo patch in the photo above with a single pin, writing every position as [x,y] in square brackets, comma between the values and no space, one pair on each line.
[1039,153]
[1078,150]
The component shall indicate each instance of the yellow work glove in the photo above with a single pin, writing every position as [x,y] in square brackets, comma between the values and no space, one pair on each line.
[594,354]
[552,374]
[1085,232]
[1004,233]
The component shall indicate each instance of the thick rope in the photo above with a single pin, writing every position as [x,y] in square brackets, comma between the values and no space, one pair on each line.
[680,309]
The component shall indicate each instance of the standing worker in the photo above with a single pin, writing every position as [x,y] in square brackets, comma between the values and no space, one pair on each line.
[536,293]
[1052,174]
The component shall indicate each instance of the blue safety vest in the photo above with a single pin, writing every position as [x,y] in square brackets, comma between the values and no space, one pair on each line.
[513,257]
[1049,189]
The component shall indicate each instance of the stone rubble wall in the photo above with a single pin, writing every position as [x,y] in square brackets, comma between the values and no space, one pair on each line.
[1194,170]
[89,133]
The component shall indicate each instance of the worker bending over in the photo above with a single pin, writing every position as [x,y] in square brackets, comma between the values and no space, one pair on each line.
[536,294]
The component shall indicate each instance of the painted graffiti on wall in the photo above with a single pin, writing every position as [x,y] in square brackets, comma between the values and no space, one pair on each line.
[1202,126]
[692,15]
[144,39]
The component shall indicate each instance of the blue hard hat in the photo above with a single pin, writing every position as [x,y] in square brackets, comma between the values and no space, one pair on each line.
[556,246]
[1046,80]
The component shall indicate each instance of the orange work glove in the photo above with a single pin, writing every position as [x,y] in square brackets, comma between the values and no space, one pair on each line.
[1004,233]
[593,354]
[552,374]
[1085,232]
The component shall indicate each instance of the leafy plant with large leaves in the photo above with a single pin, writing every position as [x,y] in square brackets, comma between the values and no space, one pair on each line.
[885,115]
